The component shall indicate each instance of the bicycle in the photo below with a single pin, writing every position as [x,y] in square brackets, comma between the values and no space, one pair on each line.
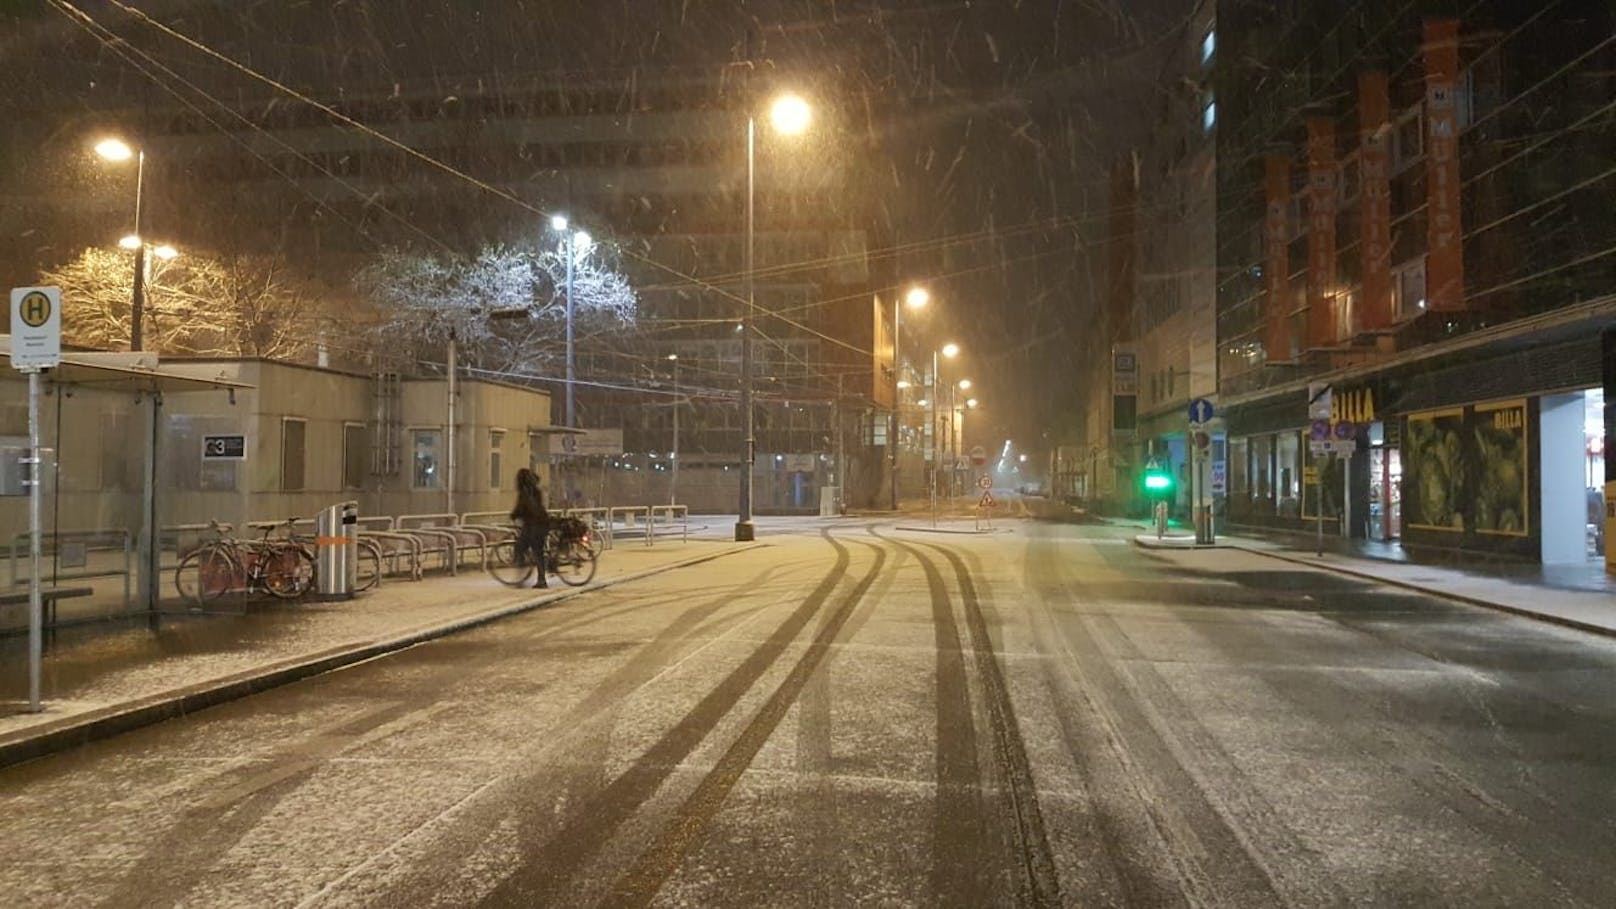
[570,556]
[282,568]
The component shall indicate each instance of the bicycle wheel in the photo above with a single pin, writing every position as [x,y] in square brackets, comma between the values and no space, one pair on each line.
[288,571]
[368,569]
[205,575]
[574,564]
[595,540]
[504,566]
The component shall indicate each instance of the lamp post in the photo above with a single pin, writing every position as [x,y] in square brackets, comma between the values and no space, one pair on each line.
[950,351]
[571,242]
[956,429]
[119,150]
[673,484]
[916,298]
[790,115]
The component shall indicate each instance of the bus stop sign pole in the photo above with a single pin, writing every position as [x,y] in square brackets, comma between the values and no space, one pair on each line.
[36,608]
[36,344]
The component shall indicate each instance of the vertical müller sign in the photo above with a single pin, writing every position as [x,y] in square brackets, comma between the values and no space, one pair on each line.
[1321,196]
[1444,262]
[36,344]
[1375,201]
[1276,264]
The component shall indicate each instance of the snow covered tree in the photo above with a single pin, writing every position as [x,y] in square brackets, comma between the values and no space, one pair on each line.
[506,306]
[195,305]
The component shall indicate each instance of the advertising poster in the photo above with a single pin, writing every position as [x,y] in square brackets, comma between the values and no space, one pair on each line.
[1502,496]
[1433,471]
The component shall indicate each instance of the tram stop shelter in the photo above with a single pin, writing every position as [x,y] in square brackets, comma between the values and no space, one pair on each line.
[103,436]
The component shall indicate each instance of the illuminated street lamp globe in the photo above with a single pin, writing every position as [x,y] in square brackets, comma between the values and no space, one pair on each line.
[114,150]
[790,114]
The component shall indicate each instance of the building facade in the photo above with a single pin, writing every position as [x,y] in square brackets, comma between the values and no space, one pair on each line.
[1154,350]
[1413,224]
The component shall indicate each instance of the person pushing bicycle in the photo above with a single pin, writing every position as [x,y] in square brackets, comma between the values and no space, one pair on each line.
[533,521]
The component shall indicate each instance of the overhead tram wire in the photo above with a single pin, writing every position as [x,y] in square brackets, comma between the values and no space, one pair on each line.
[428,159]
[201,113]
[118,46]
[422,156]
[483,185]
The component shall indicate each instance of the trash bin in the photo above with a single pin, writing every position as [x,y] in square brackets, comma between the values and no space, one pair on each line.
[336,553]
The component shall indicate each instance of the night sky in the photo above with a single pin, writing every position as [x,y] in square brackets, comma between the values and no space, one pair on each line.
[982,131]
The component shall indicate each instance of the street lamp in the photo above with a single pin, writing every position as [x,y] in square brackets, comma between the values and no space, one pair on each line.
[790,115]
[572,243]
[916,298]
[117,150]
[949,350]
[673,484]
[970,405]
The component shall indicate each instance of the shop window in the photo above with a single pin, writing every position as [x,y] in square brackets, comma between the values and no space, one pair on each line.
[496,457]
[354,454]
[426,456]
[1288,472]
[1239,468]
[294,433]
[1262,468]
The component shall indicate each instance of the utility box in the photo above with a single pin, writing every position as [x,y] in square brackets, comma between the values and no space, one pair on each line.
[830,501]
[336,555]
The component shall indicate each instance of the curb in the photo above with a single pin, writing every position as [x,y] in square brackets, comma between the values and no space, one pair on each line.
[1145,541]
[970,533]
[1440,594]
[1412,588]
[106,722]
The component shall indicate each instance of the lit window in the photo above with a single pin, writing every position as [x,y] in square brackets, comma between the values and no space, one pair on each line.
[496,457]
[427,444]
[1209,45]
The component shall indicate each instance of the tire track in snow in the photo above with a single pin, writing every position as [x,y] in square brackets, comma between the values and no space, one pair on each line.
[958,831]
[1036,881]
[546,871]
[687,830]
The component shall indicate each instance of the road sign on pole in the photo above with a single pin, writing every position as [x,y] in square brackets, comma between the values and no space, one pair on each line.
[979,456]
[1318,401]
[986,501]
[36,327]
[1201,411]
[984,482]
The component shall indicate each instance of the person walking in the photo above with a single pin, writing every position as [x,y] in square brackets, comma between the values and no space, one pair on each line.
[533,521]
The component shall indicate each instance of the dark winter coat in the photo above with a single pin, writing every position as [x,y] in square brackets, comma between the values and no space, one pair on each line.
[530,505]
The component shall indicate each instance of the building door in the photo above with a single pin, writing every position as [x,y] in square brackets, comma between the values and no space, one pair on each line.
[1385,494]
